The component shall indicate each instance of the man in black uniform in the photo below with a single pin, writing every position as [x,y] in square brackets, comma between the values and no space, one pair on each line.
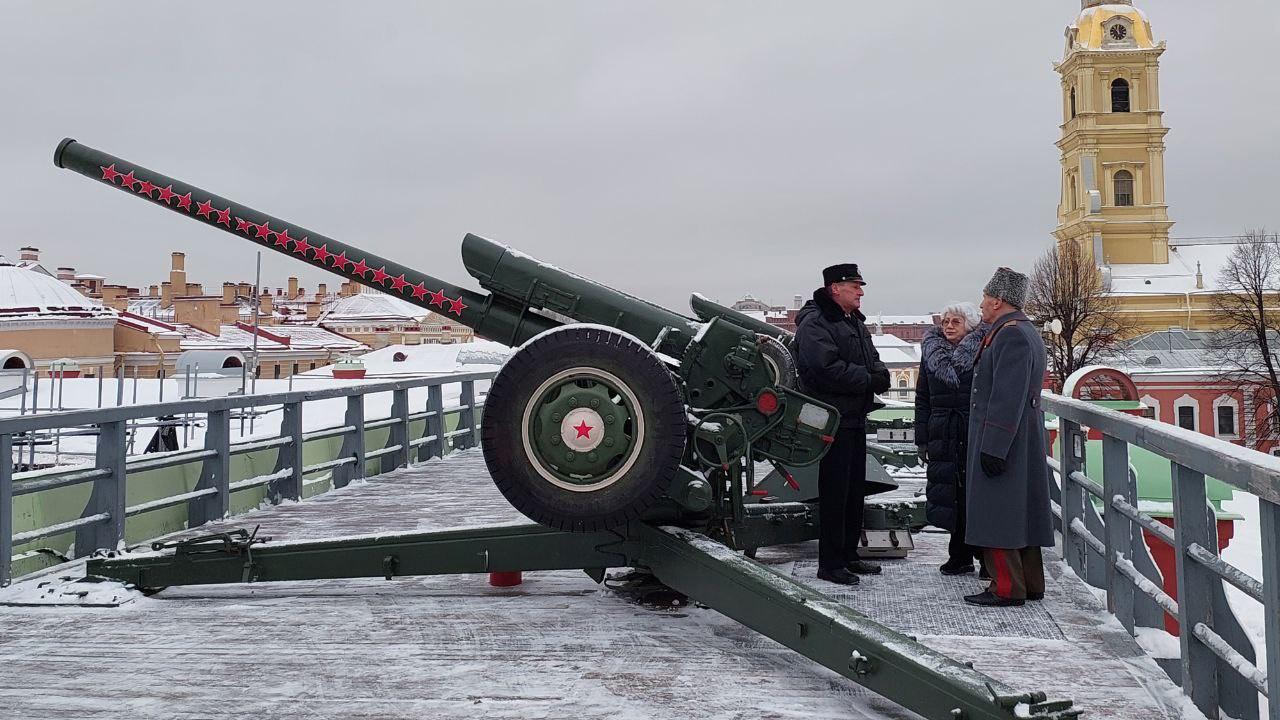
[839,365]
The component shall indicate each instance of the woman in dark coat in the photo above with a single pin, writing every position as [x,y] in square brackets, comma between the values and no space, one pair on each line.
[942,424]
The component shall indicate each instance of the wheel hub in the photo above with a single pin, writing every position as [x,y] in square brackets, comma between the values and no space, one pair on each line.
[582,430]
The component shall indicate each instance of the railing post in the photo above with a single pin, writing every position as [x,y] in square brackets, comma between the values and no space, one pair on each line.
[1270,527]
[399,434]
[352,443]
[108,493]
[290,487]
[435,423]
[1071,451]
[1115,481]
[1195,603]
[214,472]
[6,509]
[467,416]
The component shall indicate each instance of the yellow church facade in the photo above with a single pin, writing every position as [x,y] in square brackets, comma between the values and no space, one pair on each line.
[1113,182]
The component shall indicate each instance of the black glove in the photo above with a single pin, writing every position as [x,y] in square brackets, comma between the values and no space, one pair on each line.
[922,452]
[880,381]
[992,465]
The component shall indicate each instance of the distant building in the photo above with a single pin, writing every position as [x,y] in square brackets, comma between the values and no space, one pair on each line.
[1179,381]
[911,328]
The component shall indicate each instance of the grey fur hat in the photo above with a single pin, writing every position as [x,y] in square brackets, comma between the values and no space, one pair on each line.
[1009,286]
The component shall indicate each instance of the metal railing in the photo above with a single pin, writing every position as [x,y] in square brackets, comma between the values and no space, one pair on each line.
[1108,550]
[102,523]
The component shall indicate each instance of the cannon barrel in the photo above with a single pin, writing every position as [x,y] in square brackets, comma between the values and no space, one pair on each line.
[493,317]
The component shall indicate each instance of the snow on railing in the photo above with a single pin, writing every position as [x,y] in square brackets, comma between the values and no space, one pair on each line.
[1104,532]
[411,436]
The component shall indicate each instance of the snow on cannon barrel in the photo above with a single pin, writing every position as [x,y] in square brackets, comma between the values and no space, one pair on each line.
[613,409]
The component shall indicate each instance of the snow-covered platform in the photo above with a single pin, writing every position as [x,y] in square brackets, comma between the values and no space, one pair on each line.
[558,646]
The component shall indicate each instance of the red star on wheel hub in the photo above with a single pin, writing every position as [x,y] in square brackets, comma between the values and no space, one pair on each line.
[583,429]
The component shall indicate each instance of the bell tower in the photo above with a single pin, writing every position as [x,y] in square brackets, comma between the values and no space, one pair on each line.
[1112,144]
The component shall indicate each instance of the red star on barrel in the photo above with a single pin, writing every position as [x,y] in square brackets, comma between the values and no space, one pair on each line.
[302,246]
[380,275]
[224,217]
[109,173]
[264,230]
[145,188]
[166,194]
[359,269]
[398,283]
[419,291]
[204,209]
[437,298]
[282,239]
[584,430]
[322,253]
[184,202]
[128,180]
[242,225]
[457,306]
[340,260]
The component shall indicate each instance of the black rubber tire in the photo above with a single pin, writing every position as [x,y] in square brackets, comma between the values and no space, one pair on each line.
[662,444]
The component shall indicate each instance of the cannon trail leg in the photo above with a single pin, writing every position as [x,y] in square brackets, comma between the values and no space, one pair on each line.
[233,558]
[832,634]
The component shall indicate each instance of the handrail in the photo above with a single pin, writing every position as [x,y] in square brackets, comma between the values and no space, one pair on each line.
[1217,666]
[103,522]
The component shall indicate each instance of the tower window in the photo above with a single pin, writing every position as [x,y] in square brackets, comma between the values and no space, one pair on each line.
[1120,95]
[1124,188]
[1073,102]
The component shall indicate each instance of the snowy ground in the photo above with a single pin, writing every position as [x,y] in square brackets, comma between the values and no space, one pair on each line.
[557,646]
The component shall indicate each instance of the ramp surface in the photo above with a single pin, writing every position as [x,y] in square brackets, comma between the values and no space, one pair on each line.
[558,646]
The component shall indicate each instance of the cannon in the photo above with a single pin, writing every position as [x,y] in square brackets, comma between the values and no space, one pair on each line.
[627,432]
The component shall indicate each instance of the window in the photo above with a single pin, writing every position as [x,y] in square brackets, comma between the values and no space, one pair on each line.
[1226,420]
[1120,95]
[1073,102]
[1187,417]
[313,366]
[277,370]
[1124,188]
[1152,409]
[295,368]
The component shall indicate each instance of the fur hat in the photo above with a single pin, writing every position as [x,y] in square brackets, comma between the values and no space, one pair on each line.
[842,273]
[1009,286]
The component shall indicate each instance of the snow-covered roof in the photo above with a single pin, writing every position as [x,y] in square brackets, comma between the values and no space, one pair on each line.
[896,351]
[37,293]
[429,359]
[310,336]
[371,305]
[1178,276]
[901,320]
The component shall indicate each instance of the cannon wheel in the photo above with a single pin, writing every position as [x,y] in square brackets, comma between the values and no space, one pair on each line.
[583,429]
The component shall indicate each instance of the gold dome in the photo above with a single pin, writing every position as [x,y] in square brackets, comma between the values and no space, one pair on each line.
[1109,26]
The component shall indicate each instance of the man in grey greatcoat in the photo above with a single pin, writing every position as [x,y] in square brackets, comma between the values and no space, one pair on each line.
[1008,471]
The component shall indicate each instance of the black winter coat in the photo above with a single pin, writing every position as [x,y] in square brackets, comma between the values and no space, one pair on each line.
[837,362]
[943,387]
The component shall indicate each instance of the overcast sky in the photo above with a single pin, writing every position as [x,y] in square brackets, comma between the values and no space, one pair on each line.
[662,148]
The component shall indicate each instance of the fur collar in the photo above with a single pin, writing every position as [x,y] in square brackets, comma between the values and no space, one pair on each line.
[948,362]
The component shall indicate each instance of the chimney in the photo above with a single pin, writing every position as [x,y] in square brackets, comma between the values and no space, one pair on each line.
[245,289]
[166,294]
[198,312]
[178,274]
[321,290]
[1199,277]
[29,253]
[797,301]
[67,274]
[313,311]
[115,296]
[153,291]
[228,293]
[264,305]
[279,292]
[293,288]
